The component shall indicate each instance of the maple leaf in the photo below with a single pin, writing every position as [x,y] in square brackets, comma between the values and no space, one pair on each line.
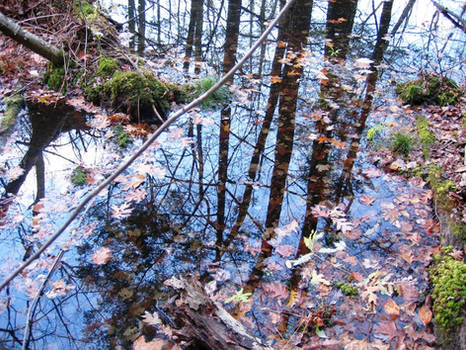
[317,278]
[285,230]
[366,199]
[101,256]
[137,195]
[276,290]
[100,121]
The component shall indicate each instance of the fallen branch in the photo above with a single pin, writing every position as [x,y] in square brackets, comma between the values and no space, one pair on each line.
[31,41]
[146,145]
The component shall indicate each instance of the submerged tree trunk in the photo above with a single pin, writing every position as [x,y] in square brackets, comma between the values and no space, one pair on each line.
[31,41]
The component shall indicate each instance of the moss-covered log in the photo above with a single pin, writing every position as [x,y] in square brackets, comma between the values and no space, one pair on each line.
[429,89]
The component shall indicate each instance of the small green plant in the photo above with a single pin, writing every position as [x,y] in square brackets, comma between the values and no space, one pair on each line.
[377,129]
[79,176]
[239,297]
[122,136]
[401,143]
[347,289]
[219,97]
[449,295]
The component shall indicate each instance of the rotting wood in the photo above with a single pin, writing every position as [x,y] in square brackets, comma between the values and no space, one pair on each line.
[204,323]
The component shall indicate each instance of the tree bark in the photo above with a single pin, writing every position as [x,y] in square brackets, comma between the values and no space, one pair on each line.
[31,41]
[141,26]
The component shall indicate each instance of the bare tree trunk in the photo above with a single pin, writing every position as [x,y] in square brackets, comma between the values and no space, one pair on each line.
[31,41]
[131,24]
[141,26]
[198,36]
[190,38]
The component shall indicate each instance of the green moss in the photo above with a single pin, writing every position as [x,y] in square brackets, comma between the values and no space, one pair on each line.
[13,106]
[347,289]
[107,66]
[137,93]
[54,77]
[429,89]
[79,176]
[401,143]
[122,136]
[84,9]
[449,294]
[426,137]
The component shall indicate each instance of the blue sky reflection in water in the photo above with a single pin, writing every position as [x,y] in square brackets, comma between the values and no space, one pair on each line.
[158,220]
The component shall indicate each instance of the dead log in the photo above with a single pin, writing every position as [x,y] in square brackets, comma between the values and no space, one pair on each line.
[31,41]
[205,324]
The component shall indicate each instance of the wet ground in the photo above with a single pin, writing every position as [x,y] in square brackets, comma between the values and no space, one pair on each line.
[316,245]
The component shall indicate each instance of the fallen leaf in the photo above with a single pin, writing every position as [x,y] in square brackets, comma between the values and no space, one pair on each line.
[387,328]
[141,344]
[392,309]
[373,172]
[425,315]
[101,256]
[366,199]
[285,250]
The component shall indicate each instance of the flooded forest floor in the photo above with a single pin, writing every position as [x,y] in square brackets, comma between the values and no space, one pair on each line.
[330,241]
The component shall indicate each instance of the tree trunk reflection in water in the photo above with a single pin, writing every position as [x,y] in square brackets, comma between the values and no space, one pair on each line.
[229,59]
[296,28]
[340,19]
[254,167]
